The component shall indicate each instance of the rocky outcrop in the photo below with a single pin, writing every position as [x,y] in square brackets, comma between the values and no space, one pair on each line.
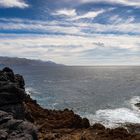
[13,124]
[12,93]
[21,118]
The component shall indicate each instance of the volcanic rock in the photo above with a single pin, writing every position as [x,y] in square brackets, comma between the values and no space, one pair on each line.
[12,129]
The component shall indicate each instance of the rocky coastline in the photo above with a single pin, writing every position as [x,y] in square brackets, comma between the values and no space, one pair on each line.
[22,118]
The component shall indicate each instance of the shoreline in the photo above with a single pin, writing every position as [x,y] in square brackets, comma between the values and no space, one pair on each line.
[109,117]
[43,124]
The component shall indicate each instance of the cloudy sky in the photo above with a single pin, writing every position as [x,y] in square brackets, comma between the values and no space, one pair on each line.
[72,32]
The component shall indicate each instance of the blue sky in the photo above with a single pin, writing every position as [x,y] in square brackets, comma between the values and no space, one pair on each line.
[72,32]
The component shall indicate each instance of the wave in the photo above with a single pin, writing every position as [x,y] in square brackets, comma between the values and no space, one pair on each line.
[109,117]
[114,117]
[29,90]
[117,117]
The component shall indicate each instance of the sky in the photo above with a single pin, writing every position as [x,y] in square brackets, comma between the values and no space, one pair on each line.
[71,32]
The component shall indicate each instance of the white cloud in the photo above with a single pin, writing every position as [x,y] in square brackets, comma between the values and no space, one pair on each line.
[91,14]
[72,14]
[69,49]
[41,28]
[72,47]
[120,28]
[13,3]
[116,19]
[76,28]
[122,2]
[65,12]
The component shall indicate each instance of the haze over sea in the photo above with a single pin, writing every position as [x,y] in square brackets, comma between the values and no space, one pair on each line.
[104,94]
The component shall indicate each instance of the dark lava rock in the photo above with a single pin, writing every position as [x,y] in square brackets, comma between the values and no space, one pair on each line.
[85,123]
[11,129]
[3,135]
[20,81]
[98,126]
[137,104]
[12,110]
[6,69]
[9,73]
[17,110]
[133,128]
[12,93]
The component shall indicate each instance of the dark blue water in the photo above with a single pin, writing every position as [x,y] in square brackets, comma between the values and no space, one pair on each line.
[102,94]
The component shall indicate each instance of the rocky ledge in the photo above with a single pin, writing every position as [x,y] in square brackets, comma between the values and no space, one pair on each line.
[21,118]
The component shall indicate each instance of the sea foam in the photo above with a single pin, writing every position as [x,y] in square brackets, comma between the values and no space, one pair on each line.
[117,117]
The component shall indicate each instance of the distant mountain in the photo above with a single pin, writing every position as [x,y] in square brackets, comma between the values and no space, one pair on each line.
[15,61]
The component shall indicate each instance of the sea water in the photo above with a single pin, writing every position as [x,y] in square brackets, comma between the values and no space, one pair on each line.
[102,94]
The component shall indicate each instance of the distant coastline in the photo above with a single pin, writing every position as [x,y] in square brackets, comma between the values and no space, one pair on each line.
[16,61]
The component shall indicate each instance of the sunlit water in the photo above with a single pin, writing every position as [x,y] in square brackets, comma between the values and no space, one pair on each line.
[102,94]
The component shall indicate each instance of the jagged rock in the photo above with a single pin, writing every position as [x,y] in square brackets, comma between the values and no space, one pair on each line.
[6,69]
[53,119]
[12,97]
[12,129]
[3,76]
[9,73]
[20,81]
[17,110]
[98,126]
[12,93]
[3,135]
[11,100]
[133,128]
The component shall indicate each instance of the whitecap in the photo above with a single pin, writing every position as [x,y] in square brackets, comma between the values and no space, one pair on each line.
[114,117]
[29,90]
[119,116]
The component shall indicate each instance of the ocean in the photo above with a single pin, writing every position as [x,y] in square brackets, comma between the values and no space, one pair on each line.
[104,94]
